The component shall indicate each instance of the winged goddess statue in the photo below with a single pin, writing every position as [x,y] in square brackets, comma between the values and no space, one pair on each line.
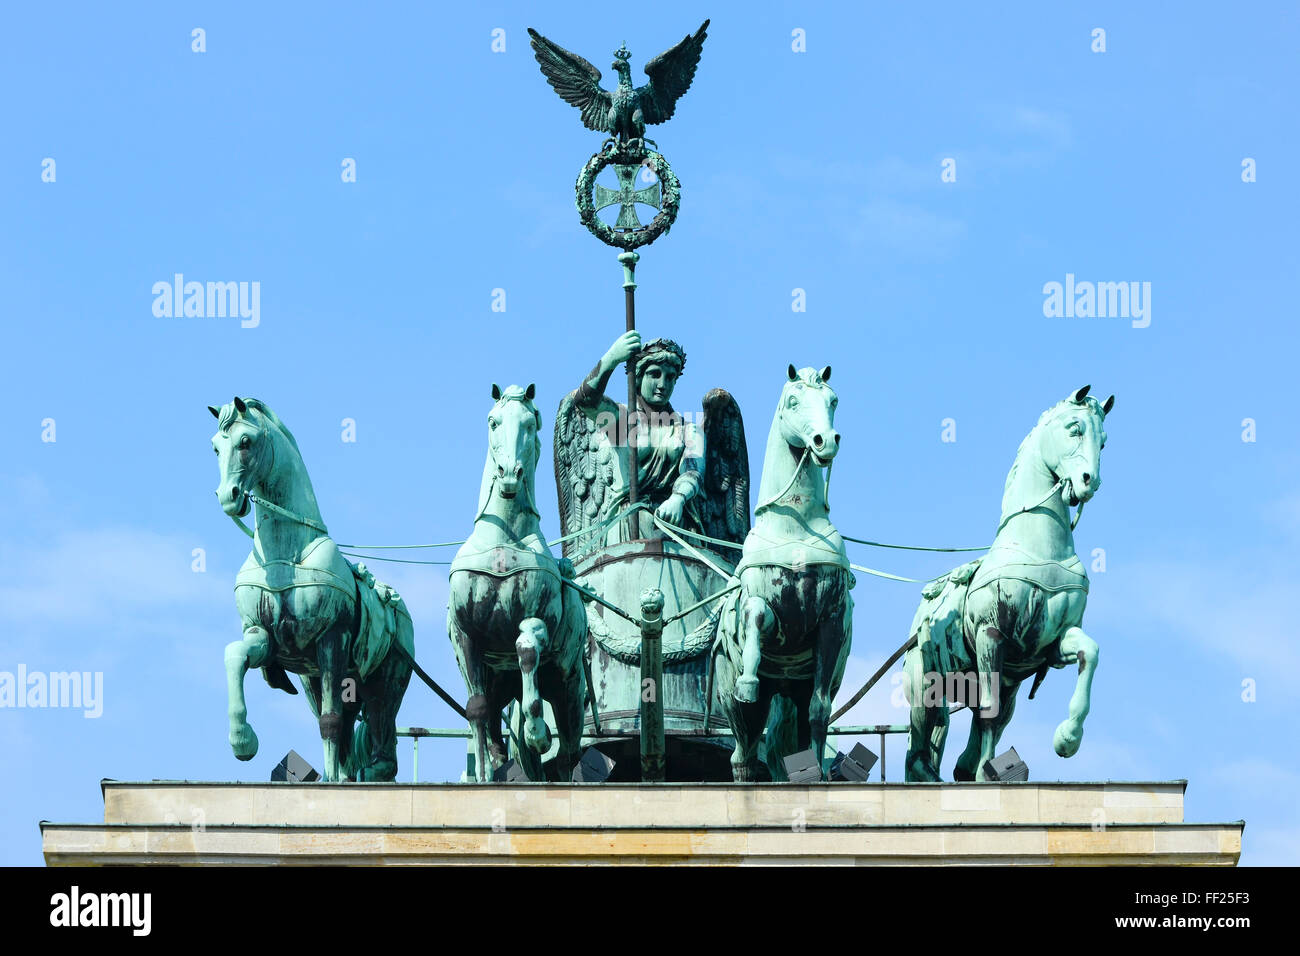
[625,111]
[694,474]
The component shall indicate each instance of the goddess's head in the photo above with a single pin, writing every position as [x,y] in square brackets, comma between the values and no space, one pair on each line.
[659,365]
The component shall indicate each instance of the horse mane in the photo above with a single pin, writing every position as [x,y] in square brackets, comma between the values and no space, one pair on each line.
[229,413]
[768,483]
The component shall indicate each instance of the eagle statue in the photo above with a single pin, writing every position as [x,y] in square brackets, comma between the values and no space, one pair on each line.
[626,111]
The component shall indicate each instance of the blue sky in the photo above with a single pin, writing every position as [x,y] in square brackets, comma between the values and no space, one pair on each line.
[817,170]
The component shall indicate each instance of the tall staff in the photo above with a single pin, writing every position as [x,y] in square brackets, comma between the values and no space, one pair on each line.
[624,114]
[629,261]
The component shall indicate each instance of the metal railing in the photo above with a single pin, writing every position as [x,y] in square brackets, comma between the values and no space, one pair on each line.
[851,730]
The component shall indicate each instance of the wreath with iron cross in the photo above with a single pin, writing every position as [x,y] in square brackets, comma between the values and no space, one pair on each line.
[663,195]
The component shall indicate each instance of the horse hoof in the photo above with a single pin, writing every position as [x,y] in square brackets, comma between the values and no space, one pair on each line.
[746,690]
[1066,740]
[244,743]
[538,739]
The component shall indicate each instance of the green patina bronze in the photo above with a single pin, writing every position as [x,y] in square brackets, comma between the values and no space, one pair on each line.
[663,195]
[624,112]
[672,634]
[1017,611]
[519,634]
[627,196]
[692,479]
[785,635]
[305,608]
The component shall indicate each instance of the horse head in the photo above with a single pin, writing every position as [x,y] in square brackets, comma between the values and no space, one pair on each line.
[1072,435]
[514,445]
[245,453]
[806,415]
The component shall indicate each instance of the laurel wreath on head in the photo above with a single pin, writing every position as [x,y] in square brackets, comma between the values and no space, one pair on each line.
[670,192]
[660,351]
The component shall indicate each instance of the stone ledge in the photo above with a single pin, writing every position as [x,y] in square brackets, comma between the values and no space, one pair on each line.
[187,822]
[637,805]
[869,844]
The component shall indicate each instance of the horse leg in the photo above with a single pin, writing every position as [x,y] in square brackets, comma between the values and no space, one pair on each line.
[572,712]
[745,720]
[566,692]
[781,715]
[477,710]
[384,693]
[1006,708]
[831,654]
[1069,733]
[968,764]
[756,622]
[349,713]
[928,725]
[988,662]
[330,661]
[253,651]
[531,646]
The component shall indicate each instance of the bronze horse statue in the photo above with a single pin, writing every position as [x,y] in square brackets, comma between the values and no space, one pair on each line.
[305,608]
[518,632]
[785,636]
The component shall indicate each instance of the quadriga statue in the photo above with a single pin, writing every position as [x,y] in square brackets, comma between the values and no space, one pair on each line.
[1017,611]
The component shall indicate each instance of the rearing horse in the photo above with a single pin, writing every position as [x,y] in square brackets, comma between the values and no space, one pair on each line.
[785,637]
[304,607]
[1017,611]
[518,632]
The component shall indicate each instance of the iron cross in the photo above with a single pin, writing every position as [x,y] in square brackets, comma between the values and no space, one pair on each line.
[627,196]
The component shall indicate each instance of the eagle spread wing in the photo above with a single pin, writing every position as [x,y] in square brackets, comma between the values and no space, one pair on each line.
[588,469]
[724,499]
[578,82]
[670,75]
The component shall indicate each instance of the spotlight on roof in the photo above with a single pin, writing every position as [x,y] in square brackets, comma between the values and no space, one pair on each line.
[594,767]
[293,769]
[854,766]
[803,767]
[1007,767]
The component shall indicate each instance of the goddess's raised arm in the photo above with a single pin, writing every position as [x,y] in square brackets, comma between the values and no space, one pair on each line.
[592,389]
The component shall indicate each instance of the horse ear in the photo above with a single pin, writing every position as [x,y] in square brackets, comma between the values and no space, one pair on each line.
[1107,405]
[531,391]
[826,374]
[793,374]
[496,392]
[1081,394]
[240,406]
[216,412]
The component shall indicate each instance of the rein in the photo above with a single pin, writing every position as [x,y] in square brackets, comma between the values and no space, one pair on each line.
[283,512]
[1060,483]
[798,470]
